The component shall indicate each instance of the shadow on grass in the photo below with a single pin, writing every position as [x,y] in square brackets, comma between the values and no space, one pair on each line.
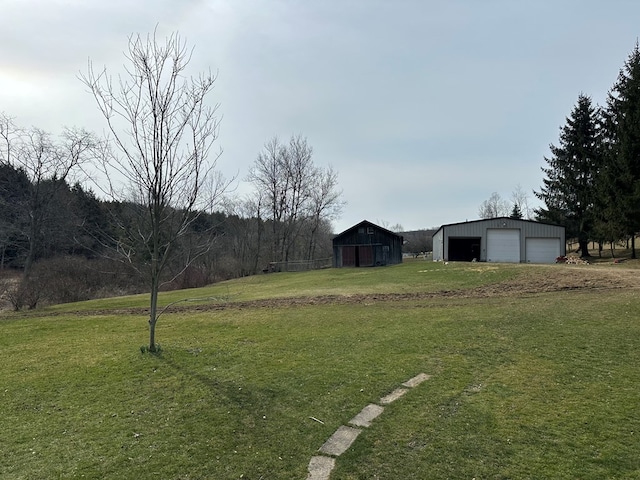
[249,398]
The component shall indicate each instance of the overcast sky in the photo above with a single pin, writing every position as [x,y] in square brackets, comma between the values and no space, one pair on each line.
[424,108]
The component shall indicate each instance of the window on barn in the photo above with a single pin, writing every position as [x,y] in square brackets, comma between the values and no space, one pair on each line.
[370,230]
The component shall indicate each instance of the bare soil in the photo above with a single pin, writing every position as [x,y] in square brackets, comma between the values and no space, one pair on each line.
[566,278]
[551,280]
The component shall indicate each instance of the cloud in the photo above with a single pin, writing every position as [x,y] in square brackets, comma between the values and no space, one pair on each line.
[424,108]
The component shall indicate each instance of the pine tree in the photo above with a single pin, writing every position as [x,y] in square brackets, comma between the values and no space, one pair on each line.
[516,213]
[621,178]
[568,190]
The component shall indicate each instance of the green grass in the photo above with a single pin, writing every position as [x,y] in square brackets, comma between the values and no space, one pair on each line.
[543,386]
[412,276]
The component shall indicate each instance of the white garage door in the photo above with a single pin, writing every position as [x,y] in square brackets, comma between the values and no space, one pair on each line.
[542,250]
[503,245]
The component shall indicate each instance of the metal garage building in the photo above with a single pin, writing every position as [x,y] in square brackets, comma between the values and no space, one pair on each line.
[500,239]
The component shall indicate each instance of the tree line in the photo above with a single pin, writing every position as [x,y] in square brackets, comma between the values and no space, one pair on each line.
[48,220]
[496,206]
[145,208]
[592,177]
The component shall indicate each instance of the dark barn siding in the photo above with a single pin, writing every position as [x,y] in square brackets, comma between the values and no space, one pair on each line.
[366,245]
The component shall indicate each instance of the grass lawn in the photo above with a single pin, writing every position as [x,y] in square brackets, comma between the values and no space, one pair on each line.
[529,385]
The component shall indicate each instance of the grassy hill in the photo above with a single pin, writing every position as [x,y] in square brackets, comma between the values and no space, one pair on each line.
[534,375]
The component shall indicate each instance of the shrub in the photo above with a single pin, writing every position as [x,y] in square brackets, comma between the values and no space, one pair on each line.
[72,279]
[25,293]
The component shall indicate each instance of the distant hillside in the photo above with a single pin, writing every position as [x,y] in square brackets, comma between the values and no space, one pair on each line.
[417,241]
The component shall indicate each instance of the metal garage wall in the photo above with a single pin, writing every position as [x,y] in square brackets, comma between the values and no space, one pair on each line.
[503,245]
[438,245]
[480,228]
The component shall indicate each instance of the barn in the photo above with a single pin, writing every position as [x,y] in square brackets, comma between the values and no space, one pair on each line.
[500,239]
[366,245]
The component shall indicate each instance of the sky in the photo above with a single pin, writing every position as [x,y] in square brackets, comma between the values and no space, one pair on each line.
[424,108]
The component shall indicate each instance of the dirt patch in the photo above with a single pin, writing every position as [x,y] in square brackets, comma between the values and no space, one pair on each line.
[564,278]
[561,278]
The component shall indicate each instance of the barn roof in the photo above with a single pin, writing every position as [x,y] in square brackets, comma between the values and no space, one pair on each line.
[366,223]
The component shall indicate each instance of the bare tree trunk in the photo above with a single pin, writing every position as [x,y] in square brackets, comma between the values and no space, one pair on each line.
[31,252]
[153,315]
[258,244]
[584,248]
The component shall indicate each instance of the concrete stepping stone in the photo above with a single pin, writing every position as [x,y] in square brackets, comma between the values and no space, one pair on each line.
[366,415]
[393,396]
[417,380]
[340,441]
[320,468]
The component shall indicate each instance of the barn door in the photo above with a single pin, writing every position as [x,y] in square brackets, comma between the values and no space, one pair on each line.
[348,256]
[365,256]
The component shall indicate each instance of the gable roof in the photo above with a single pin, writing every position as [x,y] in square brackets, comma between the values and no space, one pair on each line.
[366,223]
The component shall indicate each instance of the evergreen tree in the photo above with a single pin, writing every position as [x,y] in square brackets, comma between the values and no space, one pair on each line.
[568,190]
[516,213]
[14,194]
[92,221]
[620,185]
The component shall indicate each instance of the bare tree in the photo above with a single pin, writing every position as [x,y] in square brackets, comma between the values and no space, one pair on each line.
[325,204]
[9,135]
[297,194]
[49,165]
[419,241]
[163,131]
[521,198]
[269,177]
[8,132]
[495,206]
[300,174]
[245,222]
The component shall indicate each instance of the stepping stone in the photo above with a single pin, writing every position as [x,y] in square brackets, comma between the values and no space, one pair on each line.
[393,396]
[366,415]
[320,468]
[340,441]
[417,380]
